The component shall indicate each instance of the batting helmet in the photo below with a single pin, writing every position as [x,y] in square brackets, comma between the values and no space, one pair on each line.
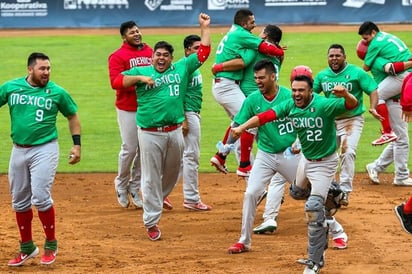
[300,70]
[361,49]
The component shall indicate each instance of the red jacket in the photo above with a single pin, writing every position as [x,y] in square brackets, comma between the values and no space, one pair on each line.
[123,59]
[406,93]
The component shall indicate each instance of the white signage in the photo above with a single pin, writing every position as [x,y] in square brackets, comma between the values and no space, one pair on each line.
[23,8]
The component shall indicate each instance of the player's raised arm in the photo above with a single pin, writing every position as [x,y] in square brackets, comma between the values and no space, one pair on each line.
[204,49]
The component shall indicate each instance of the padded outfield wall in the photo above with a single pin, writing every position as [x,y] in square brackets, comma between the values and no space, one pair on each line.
[15,14]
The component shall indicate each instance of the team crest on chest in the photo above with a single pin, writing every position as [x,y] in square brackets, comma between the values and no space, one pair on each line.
[312,109]
[48,91]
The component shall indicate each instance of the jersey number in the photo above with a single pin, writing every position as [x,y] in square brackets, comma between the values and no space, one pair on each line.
[174,90]
[221,45]
[314,136]
[39,115]
[401,47]
[285,128]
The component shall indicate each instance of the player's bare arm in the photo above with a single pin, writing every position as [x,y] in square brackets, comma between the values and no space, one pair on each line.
[251,123]
[75,131]
[204,21]
[131,80]
[296,147]
[407,116]
[366,68]
[231,65]
[373,99]
[397,67]
[185,127]
[350,101]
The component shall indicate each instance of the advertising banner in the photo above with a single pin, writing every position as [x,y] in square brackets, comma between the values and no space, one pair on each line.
[175,13]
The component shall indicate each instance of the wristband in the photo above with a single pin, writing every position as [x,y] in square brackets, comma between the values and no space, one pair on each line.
[218,68]
[76,139]
[398,67]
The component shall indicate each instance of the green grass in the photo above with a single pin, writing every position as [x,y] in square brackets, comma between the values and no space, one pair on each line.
[79,63]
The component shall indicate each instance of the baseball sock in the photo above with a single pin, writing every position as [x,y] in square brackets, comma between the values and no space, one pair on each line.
[382,110]
[407,208]
[246,144]
[223,157]
[24,222]
[47,219]
[226,135]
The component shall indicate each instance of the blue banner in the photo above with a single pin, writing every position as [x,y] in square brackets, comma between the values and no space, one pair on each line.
[180,13]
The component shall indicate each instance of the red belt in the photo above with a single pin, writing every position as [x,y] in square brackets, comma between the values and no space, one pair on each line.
[218,80]
[162,129]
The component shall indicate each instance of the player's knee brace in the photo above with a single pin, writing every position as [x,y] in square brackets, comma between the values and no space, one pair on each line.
[298,193]
[317,228]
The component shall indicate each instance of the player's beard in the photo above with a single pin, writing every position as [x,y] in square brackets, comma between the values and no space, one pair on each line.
[41,81]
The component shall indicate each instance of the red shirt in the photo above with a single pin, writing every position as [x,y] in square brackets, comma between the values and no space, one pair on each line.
[406,93]
[123,59]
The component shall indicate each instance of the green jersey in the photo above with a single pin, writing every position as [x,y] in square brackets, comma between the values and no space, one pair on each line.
[314,124]
[162,104]
[193,97]
[387,46]
[275,136]
[378,69]
[353,78]
[379,74]
[236,39]
[250,58]
[33,110]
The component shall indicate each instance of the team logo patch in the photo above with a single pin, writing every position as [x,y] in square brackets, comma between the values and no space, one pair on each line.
[312,109]
[152,4]
[47,91]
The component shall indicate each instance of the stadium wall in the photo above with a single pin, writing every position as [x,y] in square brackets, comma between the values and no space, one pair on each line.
[16,14]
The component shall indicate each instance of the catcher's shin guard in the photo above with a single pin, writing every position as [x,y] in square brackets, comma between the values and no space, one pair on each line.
[317,228]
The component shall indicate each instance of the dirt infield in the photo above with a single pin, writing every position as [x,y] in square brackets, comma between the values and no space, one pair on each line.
[97,236]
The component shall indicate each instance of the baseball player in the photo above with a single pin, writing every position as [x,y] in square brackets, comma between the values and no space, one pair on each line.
[404,210]
[133,52]
[161,89]
[396,152]
[34,102]
[390,47]
[312,117]
[191,133]
[350,124]
[270,155]
[391,68]
[225,87]
[271,34]
[276,191]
